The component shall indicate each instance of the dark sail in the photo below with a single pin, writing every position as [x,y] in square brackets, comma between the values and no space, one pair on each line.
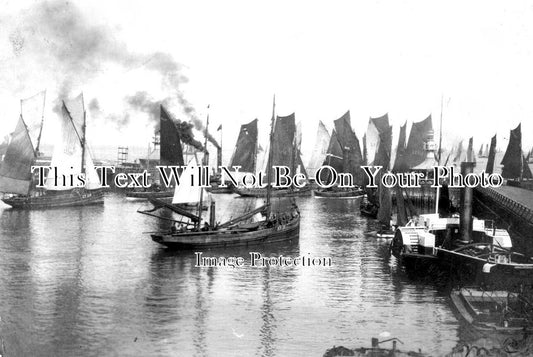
[333,156]
[3,146]
[415,153]
[350,148]
[492,153]
[400,164]
[402,217]
[470,157]
[383,155]
[170,143]
[15,174]
[526,171]
[512,160]
[385,206]
[383,158]
[245,154]
[283,144]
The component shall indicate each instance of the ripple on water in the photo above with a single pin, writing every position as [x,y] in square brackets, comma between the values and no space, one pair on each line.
[87,281]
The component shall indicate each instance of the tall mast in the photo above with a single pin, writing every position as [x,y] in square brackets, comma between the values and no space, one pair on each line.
[83,129]
[203,163]
[41,128]
[437,193]
[269,161]
[521,157]
[440,130]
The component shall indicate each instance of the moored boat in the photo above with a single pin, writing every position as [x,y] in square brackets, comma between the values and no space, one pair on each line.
[493,311]
[70,159]
[375,350]
[274,226]
[279,192]
[283,151]
[340,193]
[344,156]
[271,230]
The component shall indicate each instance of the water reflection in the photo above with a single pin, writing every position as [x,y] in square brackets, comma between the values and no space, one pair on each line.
[87,281]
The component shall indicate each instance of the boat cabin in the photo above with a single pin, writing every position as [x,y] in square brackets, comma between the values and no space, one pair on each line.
[424,233]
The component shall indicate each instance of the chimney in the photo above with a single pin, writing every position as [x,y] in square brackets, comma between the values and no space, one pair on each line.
[219,158]
[465,220]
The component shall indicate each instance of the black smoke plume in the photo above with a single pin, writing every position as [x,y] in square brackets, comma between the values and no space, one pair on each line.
[56,37]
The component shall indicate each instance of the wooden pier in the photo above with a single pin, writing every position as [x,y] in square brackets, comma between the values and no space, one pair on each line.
[511,205]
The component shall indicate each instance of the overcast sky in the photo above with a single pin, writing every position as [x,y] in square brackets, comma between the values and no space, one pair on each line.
[319,58]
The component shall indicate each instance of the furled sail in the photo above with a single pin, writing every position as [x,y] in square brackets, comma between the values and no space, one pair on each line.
[382,158]
[526,171]
[415,153]
[402,217]
[400,162]
[320,150]
[470,156]
[385,206]
[512,160]
[187,191]
[170,142]
[245,154]
[15,174]
[352,157]
[71,150]
[492,153]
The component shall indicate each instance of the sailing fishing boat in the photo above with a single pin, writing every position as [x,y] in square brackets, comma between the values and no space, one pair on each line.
[274,227]
[245,152]
[483,153]
[379,152]
[344,155]
[491,155]
[284,150]
[186,194]
[171,154]
[70,158]
[515,167]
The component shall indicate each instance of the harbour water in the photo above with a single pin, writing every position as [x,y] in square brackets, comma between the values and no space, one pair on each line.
[87,281]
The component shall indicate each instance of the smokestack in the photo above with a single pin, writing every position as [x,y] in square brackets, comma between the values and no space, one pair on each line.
[465,220]
[219,157]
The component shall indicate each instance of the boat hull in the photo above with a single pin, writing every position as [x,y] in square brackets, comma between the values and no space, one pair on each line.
[479,309]
[225,238]
[262,192]
[47,201]
[146,194]
[501,274]
[339,194]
